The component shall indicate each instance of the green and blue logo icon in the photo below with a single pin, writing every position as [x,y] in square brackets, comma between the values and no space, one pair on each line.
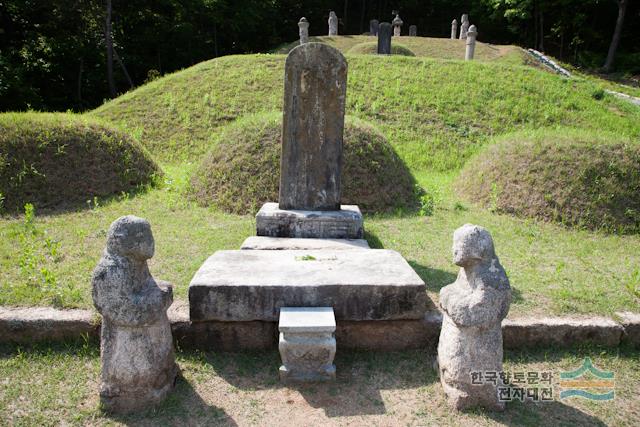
[588,382]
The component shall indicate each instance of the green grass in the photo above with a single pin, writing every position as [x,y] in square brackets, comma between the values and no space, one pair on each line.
[584,179]
[45,386]
[371,48]
[435,112]
[63,160]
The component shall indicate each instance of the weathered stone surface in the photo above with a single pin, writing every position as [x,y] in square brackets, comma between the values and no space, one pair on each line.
[384,39]
[473,307]
[314,102]
[631,324]
[283,243]
[397,25]
[454,29]
[333,24]
[390,335]
[34,324]
[303,30]
[413,30]
[367,284]
[374,24]
[560,332]
[136,346]
[307,345]
[346,223]
[464,26]
[471,43]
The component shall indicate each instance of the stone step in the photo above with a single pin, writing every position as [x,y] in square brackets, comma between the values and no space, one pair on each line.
[367,284]
[283,243]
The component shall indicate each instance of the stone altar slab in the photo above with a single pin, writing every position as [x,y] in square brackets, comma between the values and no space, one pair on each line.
[347,223]
[283,243]
[368,284]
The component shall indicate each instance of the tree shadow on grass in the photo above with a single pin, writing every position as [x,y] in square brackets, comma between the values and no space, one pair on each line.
[360,375]
[184,403]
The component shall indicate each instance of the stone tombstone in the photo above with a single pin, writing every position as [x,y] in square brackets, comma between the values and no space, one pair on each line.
[464,26]
[473,308]
[314,103]
[384,39]
[471,43]
[333,24]
[136,346]
[373,27]
[397,25]
[454,29]
[303,27]
[413,30]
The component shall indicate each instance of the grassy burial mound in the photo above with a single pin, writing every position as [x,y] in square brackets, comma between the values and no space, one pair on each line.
[573,177]
[241,171]
[371,48]
[59,161]
[435,113]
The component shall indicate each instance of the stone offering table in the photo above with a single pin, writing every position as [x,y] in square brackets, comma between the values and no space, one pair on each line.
[360,285]
[307,344]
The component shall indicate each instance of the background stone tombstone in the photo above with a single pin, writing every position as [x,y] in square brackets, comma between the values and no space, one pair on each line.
[471,43]
[464,26]
[333,24]
[303,29]
[314,103]
[413,30]
[397,26]
[373,27]
[384,38]
[454,29]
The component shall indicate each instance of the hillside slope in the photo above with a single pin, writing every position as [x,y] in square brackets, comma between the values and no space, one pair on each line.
[435,112]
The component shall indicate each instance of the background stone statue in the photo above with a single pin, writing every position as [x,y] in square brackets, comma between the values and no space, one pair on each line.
[136,346]
[333,24]
[473,308]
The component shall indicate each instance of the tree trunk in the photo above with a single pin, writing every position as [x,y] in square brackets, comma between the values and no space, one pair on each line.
[109,44]
[362,12]
[344,18]
[124,69]
[79,88]
[541,31]
[622,8]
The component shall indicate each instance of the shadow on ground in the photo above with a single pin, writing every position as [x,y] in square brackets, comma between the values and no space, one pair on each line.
[356,391]
[183,404]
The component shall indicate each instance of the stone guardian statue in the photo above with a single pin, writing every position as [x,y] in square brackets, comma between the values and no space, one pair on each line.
[136,346]
[333,24]
[473,308]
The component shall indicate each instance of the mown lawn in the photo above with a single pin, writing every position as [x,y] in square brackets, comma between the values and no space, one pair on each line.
[59,385]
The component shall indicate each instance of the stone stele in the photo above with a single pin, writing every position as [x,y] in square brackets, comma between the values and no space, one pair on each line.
[413,30]
[333,24]
[303,30]
[473,308]
[136,346]
[374,24]
[384,38]
[314,102]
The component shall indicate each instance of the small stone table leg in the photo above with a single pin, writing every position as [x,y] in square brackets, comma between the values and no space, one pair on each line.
[307,344]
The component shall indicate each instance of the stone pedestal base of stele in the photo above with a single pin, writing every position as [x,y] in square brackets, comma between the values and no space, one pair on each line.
[307,344]
[346,223]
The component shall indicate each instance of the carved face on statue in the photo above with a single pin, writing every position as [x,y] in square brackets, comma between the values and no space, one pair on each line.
[472,244]
[130,236]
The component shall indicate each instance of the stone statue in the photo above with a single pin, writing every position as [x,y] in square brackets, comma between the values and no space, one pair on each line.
[136,346]
[464,26]
[303,30]
[473,308]
[454,29]
[397,25]
[471,43]
[333,24]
